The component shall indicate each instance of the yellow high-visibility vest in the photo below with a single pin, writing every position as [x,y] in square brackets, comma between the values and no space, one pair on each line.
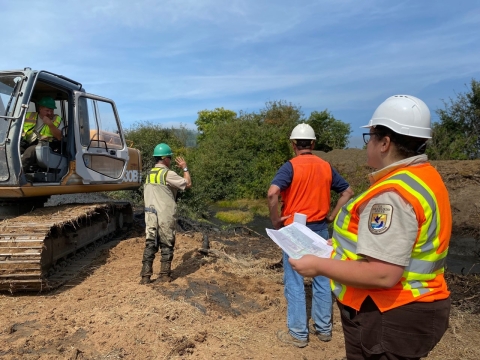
[157,176]
[29,125]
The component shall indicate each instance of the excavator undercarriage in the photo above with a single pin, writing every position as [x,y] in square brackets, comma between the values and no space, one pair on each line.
[34,247]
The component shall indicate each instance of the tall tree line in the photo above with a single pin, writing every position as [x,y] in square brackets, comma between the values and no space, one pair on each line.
[237,155]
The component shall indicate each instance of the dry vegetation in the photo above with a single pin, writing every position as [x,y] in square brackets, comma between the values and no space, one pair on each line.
[223,303]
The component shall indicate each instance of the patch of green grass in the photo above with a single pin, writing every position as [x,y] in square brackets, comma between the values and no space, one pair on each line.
[235,216]
[256,207]
[260,209]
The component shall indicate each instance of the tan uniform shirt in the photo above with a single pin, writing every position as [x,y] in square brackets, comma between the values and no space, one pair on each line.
[395,244]
[162,198]
[175,181]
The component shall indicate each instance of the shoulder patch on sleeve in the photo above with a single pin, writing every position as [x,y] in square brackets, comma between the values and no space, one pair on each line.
[380,218]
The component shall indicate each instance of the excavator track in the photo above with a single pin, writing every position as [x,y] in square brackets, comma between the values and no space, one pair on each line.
[37,249]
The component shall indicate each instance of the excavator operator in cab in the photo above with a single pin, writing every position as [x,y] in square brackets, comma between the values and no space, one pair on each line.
[41,126]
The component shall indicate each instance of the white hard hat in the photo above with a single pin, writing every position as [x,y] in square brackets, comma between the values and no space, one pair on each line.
[303,132]
[404,114]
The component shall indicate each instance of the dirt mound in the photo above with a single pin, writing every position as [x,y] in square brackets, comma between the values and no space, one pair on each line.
[462,179]
[224,303]
[347,156]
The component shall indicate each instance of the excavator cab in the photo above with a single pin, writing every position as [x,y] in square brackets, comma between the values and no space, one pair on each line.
[92,154]
[37,242]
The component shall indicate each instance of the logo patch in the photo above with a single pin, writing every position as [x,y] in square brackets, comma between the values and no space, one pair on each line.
[380,218]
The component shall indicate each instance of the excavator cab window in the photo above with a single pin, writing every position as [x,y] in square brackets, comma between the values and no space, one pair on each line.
[51,163]
[102,125]
[9,85]
[9,91]
[99,129]
[3,99]
[61,110]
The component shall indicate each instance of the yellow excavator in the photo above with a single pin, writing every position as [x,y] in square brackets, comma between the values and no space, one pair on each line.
[91,155]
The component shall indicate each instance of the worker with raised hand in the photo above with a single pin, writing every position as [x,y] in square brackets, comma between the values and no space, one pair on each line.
[41,126]
[390,243]
[304,184]
[160,193]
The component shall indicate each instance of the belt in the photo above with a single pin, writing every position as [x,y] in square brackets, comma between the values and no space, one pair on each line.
[151,209]
[316,222]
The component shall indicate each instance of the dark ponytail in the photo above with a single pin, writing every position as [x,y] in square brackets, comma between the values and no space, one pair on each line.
[406,146]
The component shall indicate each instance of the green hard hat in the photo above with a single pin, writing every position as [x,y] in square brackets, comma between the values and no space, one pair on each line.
[162,150]
[48,102]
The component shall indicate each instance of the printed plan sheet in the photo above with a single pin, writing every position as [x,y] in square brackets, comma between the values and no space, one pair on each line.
[298,240]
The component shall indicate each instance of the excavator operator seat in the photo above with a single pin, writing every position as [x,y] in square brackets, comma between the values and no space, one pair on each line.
[54,164]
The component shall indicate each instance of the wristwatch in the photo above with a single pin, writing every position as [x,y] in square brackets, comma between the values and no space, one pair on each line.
[185,169]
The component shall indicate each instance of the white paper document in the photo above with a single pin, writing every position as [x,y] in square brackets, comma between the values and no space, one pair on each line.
[298,240]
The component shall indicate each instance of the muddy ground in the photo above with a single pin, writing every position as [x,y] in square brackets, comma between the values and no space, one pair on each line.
[227,303]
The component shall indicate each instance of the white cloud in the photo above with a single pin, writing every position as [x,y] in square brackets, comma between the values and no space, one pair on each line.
[167,60]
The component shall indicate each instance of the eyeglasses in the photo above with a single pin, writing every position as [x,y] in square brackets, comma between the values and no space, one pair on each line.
[366,137]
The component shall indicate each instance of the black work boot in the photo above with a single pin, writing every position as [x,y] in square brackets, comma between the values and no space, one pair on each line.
[146,273]
[165,272]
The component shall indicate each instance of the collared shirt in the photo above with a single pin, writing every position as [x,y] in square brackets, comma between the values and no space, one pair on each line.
[418,159]
[174,181]
[394,245]
[284,176]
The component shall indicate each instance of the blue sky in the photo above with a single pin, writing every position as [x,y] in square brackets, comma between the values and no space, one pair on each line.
[163,61]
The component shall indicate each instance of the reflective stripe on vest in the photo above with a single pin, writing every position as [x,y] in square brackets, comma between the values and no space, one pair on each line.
[422,280]
[29,126]
[157,176]
[309,192]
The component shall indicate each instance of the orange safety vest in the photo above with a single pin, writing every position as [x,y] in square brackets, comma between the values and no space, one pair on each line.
[423,279]
[45,133]
[309,192]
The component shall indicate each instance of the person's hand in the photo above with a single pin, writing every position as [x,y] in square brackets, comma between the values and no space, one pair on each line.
[181,163]
[329,242]
[47,121]
[279,223]
[330,219]
[306,265]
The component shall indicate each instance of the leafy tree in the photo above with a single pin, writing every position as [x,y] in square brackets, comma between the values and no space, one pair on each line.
[457,135]
[238,158]
[282,114]
[331,133]
[145,136]
[208,120]
[187,137]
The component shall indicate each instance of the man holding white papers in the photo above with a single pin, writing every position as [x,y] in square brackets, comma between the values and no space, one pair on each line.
[304,184]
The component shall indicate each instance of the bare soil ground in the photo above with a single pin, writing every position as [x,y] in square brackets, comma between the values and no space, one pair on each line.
[224,304]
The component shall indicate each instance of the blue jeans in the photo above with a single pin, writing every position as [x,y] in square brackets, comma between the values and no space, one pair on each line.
[297,321]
